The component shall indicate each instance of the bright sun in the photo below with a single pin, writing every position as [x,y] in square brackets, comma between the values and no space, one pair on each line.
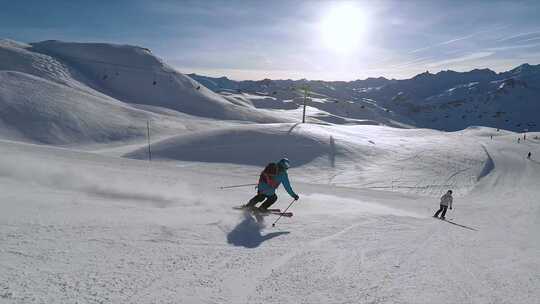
[343,28]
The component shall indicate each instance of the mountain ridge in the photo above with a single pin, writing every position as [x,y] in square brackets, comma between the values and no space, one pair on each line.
[447,100]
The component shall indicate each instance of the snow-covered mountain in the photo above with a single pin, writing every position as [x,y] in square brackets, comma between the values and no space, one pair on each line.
[59,92]
[135,86]
[447,100]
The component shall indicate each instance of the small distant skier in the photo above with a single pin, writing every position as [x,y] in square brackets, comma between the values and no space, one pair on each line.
[519,139]
[272,176]
[446,202]
[491,136]
[529,155]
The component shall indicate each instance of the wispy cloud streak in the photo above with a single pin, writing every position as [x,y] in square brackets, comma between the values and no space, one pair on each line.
[468,57]
[443,43]
[513,37]
[513,47]
[454,40]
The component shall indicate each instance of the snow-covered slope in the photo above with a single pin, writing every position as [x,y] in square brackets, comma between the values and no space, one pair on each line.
[39,110]
[15,56]
[357,156]
[63,93]
[134,75]
[104,229]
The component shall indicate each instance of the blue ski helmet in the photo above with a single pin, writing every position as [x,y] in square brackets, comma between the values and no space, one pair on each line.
[284,163]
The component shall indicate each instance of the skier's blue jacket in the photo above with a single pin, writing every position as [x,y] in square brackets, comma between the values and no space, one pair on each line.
[281,178]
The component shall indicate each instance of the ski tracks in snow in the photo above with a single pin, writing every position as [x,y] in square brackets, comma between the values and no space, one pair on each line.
[462,265]
[251,286]
[318,267]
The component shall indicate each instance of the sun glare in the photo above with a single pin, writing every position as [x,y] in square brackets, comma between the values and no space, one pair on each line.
[343,28]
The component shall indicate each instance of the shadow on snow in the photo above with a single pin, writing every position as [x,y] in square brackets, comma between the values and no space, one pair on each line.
[248,232]
[463,226]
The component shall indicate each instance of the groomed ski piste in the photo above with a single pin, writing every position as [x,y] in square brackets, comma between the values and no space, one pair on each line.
[91,220]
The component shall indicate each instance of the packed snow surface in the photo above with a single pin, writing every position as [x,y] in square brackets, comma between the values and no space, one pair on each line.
[83,227]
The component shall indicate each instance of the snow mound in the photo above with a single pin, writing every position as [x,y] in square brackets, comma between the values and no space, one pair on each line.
[246,145]
[483,131]
[489,165]
[37,110]
[371,157]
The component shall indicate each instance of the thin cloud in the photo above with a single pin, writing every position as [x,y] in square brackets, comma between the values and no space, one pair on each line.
[413,62]
[530,39]
[443,43]
[518,36]
[457,39]
[468,57]
[513,47]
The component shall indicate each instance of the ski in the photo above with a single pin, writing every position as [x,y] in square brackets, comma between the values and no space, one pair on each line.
[286,214]
[255,209]
[274,211]
[446,219]
[269,212]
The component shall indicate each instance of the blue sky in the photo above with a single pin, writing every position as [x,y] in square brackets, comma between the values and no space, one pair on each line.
[329,40]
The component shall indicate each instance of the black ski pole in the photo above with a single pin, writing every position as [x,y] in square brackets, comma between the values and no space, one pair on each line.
[236,186]
[274,223]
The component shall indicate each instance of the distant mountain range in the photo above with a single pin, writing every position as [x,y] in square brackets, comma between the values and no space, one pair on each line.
[56,92]
[447,100]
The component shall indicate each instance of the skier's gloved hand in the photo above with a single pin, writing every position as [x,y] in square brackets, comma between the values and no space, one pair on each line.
[296,197]
[450,208]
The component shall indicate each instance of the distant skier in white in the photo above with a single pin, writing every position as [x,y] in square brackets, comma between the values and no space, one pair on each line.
[446,202]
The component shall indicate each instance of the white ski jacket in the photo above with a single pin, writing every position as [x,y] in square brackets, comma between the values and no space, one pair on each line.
[446,200]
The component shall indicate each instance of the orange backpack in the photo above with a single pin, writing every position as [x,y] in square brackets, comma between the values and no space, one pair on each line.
[268,175]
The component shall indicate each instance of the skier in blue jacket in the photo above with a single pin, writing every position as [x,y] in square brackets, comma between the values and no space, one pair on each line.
[272,176]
